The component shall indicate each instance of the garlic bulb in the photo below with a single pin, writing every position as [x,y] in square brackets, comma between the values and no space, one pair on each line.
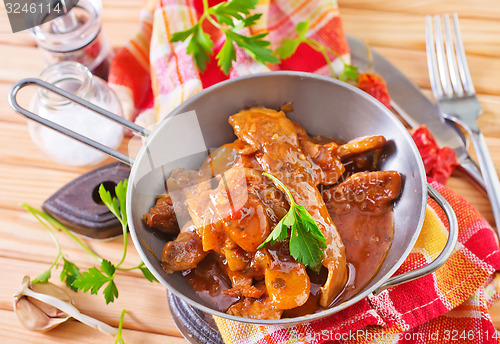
[43,306]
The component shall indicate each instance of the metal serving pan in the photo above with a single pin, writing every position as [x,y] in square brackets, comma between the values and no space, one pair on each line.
[324,106]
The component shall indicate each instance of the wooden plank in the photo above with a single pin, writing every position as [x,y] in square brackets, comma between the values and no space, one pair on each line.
[23,62]
[407,31]
[17,226]
[7,114]
[466,188]
[484,9]
[118,17]
[488,121]
[74,332]
[413,64]
[118,33]
[19,147]
[146,303]
[394,27]
[22,38]
[21,150]
[24,183]
[19,184]
[494,312]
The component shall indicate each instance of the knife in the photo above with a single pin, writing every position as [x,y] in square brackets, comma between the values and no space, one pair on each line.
[416,109]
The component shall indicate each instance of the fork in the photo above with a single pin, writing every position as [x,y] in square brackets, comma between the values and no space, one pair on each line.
[453,89]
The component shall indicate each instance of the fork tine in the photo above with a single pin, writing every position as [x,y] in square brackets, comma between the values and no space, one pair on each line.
[462,60]
[432,59]
[451,56]
[441,58]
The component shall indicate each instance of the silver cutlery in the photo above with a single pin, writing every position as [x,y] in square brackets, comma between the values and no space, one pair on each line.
[453,89]
[417,109]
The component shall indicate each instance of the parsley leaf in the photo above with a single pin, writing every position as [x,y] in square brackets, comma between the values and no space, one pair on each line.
[200,46]
[350,73]
[237,9]
[43,277]
[229,17]
[110,202]
[226,56]
[148,275]
[70,273]
[110,292]
[289,47]
[302,28]
[251,20]
[94,279]
[255,45]
[117,205]
[306,238]
[108,268]
[121,194]
[91,280]
[181,36]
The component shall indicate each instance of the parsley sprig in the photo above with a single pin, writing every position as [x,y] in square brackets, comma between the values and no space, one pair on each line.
[290,45]
[229,17]
[119,339]
[306,239]
[70,271]
[96,277]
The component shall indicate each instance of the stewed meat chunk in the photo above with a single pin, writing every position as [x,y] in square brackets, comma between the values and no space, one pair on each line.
[183,253]
[162,215]
[368,191]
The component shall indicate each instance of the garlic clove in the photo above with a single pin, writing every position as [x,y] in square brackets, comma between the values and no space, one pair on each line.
[37,315]
[33,318]
[53,290]
[46,295]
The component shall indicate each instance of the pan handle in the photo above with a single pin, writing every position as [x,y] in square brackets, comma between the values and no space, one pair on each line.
[63,130]
[443,256]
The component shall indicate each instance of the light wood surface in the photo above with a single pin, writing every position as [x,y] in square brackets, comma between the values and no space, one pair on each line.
[394,27]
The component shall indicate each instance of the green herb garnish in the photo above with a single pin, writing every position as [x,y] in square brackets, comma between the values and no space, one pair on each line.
[290,45]
[70,271]
[119,339]
[229,17]
[96,277]
[306,239]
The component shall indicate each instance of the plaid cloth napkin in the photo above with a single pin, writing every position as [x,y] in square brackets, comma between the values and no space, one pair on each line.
[151,76]
[450,305]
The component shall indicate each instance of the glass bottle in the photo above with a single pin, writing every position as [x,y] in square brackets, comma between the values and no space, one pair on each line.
[77,79]
[76,36]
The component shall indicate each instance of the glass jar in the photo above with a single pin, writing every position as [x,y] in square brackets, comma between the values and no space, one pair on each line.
[77,79]
[76,36]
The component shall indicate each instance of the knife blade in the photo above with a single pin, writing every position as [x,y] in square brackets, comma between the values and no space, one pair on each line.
[416,109]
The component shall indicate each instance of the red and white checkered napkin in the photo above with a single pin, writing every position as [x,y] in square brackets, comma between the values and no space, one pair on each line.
[152,76]
[450,305]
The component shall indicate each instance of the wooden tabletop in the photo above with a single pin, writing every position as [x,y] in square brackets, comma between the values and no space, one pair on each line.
[394,28]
